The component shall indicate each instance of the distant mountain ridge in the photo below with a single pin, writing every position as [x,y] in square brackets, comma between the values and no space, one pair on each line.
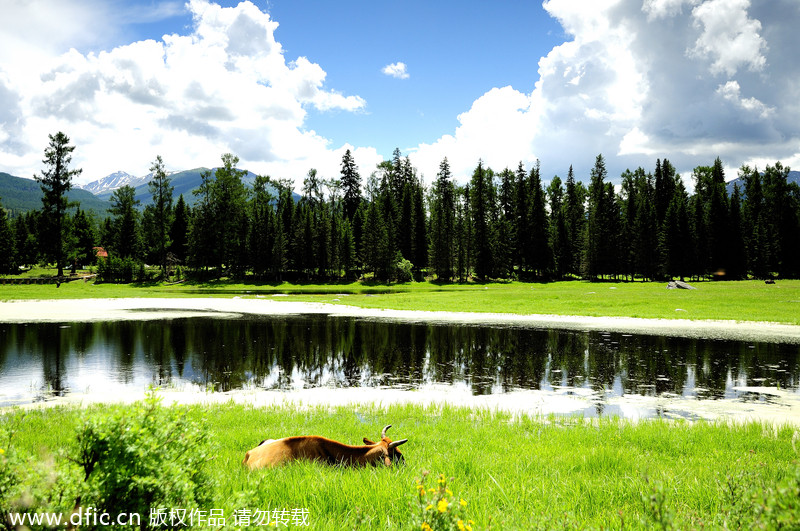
[112,182]
[794,177]
[21,195]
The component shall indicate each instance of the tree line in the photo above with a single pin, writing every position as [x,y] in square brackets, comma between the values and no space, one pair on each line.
[498,225]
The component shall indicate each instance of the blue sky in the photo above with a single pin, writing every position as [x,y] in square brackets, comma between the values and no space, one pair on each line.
[289,85]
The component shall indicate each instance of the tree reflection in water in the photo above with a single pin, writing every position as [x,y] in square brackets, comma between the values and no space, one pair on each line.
[315,351]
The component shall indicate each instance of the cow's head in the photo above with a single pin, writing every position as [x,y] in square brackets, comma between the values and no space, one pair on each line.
[393,455]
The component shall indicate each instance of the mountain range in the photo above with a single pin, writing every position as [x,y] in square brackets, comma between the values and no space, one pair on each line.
[19,195]
[794,177]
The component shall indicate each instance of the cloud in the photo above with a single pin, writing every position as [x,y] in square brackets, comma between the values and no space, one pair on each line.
[224,87]
[729,36]
[688,80]
[397,70]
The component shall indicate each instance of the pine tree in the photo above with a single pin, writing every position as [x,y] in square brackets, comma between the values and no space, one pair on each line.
[262,227]
[629,200]
[737,265]
[203,251]
[56,181]
[717,220]
[575,219]
[347,248]
[645,228]
[506,224]
[676,242]
[229,200]
[376,249]
[7,245]
[558,228]
[161,189]
[538,227]
[481,197]
[127,236]
[25,239]
[522,241]
[351,184]
[597,239]
[754,223]
[442,206]
[179,231]
[83,234]
[420,227]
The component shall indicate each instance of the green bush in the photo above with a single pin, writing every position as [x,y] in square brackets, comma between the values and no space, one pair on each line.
[403,270]
[156,458]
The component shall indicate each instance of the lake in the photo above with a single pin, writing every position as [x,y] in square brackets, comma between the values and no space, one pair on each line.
[528,370]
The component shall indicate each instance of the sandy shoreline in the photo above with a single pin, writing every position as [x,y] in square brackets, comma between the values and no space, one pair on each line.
[82,310]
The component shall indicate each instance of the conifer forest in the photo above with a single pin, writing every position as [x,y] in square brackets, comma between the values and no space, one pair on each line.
[389,226]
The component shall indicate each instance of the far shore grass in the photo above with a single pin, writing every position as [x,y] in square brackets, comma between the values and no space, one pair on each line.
[749,300]
[512,473]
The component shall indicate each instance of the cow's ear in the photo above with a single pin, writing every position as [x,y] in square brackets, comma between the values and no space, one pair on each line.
[387,461]
[367,441]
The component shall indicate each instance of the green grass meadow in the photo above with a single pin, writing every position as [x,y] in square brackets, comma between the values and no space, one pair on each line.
[739,300]
[513,473]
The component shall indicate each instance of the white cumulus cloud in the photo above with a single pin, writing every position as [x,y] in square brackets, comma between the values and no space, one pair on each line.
[688,80]
[398,70]
[226,86]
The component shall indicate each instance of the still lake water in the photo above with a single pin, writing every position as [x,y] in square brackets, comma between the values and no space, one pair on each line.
[41,361]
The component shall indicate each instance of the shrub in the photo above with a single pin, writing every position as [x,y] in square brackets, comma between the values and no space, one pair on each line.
[155,458]
[403,270]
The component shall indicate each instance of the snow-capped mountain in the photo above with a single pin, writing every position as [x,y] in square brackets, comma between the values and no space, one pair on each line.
[116,180]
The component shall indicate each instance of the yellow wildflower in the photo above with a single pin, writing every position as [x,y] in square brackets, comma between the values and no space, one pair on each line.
[460,525]
[429,507]
[431,490]
[2,451]
[463,503]
[442,505]
[449,492]
[426,527]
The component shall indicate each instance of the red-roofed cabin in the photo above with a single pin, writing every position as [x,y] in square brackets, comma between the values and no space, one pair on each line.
[101,253]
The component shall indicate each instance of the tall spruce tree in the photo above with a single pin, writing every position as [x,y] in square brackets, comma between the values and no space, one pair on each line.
[127,242]
[55,181]
[645,228]
[597,237]
[505,254]
[203,251]
[538,227]
[443,211]
[575,218]
[558,228]
[754,222]
[481,197]
[179,231]
[84,237]
[229,200]
[676,241]
[522,241]
[8,248]
[737,265]
[160,187]
[261,227]
[717,220]
[351,185]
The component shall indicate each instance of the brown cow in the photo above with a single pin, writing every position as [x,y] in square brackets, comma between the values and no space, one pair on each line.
[273,452]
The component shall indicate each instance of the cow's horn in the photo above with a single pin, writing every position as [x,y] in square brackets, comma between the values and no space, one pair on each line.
[395,444]
[383,433]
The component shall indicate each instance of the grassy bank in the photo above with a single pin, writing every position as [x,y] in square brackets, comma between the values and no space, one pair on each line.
[512,473]
[743,300]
